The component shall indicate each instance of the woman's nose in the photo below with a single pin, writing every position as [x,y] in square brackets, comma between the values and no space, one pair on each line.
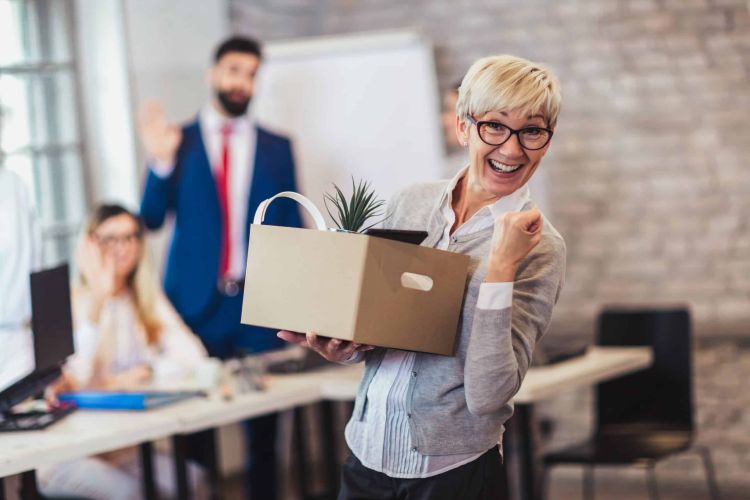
[512,147]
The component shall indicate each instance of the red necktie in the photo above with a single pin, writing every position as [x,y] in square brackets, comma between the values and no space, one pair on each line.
[222,186]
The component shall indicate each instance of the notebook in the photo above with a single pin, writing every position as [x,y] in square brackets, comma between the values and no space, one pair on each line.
[126,400]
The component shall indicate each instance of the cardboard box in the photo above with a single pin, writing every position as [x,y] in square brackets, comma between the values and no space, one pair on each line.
[354,287]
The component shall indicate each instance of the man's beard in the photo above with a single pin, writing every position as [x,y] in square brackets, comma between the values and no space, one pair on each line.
[232,108]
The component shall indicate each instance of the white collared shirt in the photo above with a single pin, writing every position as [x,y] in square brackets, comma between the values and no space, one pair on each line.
[20,249]
[242,146]
[383,441]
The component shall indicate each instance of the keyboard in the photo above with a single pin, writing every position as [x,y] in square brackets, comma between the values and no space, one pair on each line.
[34,420]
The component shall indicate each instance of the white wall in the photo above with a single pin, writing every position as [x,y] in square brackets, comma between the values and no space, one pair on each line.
[171,44]
[131,50]
[105,98]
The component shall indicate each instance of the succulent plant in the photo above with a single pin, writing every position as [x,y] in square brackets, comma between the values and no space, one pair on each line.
[352,214]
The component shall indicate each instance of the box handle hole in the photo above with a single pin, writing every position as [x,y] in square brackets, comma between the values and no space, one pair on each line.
[416,282]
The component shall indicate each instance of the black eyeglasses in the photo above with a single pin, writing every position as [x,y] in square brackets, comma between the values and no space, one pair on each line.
[496,134]
[111,240]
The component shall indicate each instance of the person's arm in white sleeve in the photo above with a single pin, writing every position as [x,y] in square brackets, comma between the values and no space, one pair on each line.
[80,366]
[180,351]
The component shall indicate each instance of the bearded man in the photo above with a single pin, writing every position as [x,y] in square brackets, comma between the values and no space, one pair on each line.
[211,174]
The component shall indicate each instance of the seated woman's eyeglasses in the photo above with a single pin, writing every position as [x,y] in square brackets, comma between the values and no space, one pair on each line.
[111,240]
[497,134]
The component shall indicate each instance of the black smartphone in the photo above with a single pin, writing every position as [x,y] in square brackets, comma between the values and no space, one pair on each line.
[404,235]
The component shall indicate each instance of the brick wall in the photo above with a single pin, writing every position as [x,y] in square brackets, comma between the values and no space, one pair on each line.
[648,176]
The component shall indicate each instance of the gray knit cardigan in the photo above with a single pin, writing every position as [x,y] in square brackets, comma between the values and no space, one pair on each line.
[458,404]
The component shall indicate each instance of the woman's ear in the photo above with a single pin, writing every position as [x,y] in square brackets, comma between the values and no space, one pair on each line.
[462,131]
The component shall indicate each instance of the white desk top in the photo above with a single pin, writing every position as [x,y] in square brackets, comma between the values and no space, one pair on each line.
[283,393]
[81,434]
[597,365]
[89,432]
[541,382]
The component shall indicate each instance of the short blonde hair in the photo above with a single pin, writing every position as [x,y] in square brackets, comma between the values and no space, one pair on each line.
[510,83]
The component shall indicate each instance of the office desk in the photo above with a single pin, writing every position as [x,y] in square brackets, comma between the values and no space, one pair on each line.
[541,382]
[80,434]
[89,432]
[284,392]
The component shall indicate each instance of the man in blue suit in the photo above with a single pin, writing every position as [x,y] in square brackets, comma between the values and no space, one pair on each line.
[212,174]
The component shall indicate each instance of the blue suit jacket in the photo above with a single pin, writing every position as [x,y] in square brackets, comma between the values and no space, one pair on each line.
[189,192]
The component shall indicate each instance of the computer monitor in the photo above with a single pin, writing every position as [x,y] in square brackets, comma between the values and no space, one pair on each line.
[52,327]
[51,318]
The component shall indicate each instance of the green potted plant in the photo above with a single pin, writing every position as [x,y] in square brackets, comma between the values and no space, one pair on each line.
[351,215]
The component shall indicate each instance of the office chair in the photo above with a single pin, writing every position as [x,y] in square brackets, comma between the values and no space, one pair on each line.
[646,416]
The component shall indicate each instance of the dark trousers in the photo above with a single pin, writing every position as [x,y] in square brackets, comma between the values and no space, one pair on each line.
[224,336]
[482,479]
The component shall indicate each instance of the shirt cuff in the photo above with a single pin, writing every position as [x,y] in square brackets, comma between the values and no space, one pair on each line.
[353,359]
[495,295]
[162,170]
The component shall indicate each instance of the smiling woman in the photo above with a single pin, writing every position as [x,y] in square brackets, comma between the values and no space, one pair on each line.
[506,114]
[429,426]
[127,334]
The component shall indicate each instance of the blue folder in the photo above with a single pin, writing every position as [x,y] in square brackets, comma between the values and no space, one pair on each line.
[126,400]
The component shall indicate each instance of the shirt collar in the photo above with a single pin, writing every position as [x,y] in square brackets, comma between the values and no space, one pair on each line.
[514,202]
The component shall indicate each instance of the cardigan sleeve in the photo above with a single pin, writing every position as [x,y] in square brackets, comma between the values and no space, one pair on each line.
[502,340]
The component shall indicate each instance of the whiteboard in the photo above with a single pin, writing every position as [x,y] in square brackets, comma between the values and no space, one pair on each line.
[360,105]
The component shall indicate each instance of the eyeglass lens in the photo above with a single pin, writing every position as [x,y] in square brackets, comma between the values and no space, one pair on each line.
[496,134]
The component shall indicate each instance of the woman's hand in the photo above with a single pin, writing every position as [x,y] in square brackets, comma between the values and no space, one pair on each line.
[516,234]
[65,383]
[334,350]
[130,379]
[98,269]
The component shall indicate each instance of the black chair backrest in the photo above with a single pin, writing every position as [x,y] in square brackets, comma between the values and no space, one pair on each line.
[659,398]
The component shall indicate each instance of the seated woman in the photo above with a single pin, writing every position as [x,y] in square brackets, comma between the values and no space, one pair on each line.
[426,426]
[126,334]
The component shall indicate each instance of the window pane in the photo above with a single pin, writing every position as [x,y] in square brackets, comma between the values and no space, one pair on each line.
[59,188]
[41,109]
[53,33]
[23,166]
[15,28]
[14,97]
[59,248]
[40,127]
[34,31]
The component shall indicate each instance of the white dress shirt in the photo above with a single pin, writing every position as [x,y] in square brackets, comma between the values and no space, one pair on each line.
[20,249]
[382,442]
[242,146]
[117,341]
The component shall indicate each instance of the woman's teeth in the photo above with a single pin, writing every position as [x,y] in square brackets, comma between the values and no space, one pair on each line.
[502,167]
